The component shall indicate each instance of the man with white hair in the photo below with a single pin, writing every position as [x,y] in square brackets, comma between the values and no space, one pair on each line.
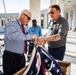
[14,41]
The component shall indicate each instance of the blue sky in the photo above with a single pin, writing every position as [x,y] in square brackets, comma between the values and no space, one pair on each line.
[15,6]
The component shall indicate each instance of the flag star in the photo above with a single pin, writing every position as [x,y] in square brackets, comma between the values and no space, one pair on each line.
[40,52]
[46,60]
[53,65]
[51,56]
[57,70]
[57,60]
[31,72]
[60,74]
[48,65]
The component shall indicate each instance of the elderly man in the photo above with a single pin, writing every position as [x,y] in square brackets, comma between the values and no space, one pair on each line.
[56,37]
[15,37]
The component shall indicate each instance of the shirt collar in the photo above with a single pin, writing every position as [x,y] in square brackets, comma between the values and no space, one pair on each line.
[58,20]
[19,22]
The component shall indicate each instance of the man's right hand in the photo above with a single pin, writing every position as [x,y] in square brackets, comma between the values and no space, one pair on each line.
[33,36]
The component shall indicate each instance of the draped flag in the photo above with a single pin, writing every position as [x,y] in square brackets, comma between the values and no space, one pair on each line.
[42,63]
[31,69]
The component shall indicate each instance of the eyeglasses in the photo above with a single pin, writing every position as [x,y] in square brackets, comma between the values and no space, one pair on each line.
[51,12]
[27,17]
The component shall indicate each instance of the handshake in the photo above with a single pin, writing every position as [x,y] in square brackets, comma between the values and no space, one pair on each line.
[39,40]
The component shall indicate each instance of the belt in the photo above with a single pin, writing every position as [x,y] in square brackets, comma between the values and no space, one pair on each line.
[6,51]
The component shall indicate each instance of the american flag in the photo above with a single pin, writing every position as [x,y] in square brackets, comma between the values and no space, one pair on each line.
[42,63]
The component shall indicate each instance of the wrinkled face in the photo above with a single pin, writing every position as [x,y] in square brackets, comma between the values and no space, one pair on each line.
[26,18]
[54,13]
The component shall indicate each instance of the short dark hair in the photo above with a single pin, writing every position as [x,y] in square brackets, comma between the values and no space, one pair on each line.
[34,20]
[55,6]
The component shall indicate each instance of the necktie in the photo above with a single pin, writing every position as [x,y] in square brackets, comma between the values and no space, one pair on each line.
[25,42]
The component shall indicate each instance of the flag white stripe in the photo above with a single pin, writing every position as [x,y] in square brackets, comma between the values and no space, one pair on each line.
[31,60]
[38,64]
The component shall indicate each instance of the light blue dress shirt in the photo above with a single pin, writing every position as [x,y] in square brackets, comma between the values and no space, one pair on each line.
[14,37]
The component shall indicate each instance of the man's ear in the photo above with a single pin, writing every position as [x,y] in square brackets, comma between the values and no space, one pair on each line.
[59,11]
